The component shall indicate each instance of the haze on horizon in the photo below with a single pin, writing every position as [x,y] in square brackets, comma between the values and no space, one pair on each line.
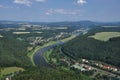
[60,10]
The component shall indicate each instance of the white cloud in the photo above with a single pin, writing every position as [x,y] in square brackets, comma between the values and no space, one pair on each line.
[25,2]
[40,0]
[2,6]
[8,7]
[62,11]
[81,2]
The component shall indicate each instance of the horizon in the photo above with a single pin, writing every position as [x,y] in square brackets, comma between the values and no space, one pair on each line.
[60,11]
[60,21]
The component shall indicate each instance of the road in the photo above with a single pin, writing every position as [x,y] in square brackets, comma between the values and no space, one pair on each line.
[104,72]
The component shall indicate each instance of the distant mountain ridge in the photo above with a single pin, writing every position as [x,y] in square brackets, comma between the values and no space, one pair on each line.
[85,23]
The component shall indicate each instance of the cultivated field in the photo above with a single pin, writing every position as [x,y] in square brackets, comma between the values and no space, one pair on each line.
[38,32]
[1,36]
[26,32]
[21,32]
[110,26]
[105,36]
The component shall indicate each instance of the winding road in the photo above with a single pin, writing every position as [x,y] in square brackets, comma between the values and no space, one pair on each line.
[39,55]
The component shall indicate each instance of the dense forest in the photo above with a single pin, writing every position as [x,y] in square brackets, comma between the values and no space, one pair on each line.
[89,48]
[13,53]
[42,73]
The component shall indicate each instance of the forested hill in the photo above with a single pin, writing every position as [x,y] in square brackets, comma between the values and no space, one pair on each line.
[13,53]
[49,74]
[92,49]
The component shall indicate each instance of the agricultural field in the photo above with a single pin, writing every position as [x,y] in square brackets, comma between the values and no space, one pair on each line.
[109,26]
[38,32]
[10,70]
[105,36]
[26,32]
[1,36]
[21,32]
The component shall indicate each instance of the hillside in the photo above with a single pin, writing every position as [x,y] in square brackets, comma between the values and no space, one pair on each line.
[49,74]
[92,49]
[13,53]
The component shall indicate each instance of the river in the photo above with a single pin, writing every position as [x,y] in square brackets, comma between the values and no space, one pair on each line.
[39,55]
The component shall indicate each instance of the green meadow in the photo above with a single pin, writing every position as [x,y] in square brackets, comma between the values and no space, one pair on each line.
[105,36]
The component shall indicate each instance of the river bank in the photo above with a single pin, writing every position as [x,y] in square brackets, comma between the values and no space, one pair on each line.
[38,48]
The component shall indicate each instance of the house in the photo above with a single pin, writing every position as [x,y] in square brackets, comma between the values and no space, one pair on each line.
[82,67]
[7,78]
[88,68]
[115,69]
[84,60]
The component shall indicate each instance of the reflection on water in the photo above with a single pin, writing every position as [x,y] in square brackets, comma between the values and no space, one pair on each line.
[114,78]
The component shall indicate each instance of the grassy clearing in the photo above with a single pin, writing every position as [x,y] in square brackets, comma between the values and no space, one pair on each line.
[31,54]
[105,36]
[47,55]
[54,60]
[9,70]
[67,39]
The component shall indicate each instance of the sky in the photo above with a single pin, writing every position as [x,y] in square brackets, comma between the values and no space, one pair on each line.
[60,10]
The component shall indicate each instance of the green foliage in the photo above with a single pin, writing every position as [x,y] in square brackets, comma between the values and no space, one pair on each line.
[89,48]
[13,53]
[47,55]
[42,73]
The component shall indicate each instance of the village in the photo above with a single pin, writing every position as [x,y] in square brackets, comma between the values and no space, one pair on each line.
[96,67]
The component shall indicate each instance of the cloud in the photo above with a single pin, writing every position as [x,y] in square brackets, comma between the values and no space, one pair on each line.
[27,2]
[81,2]
[24,2]
[62,11]
[2,6]
[40,0]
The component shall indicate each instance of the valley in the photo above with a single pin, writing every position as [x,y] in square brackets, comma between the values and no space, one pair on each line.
[59,39]
[47,47]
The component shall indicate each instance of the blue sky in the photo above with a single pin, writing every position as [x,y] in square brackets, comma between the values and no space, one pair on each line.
[60,10]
